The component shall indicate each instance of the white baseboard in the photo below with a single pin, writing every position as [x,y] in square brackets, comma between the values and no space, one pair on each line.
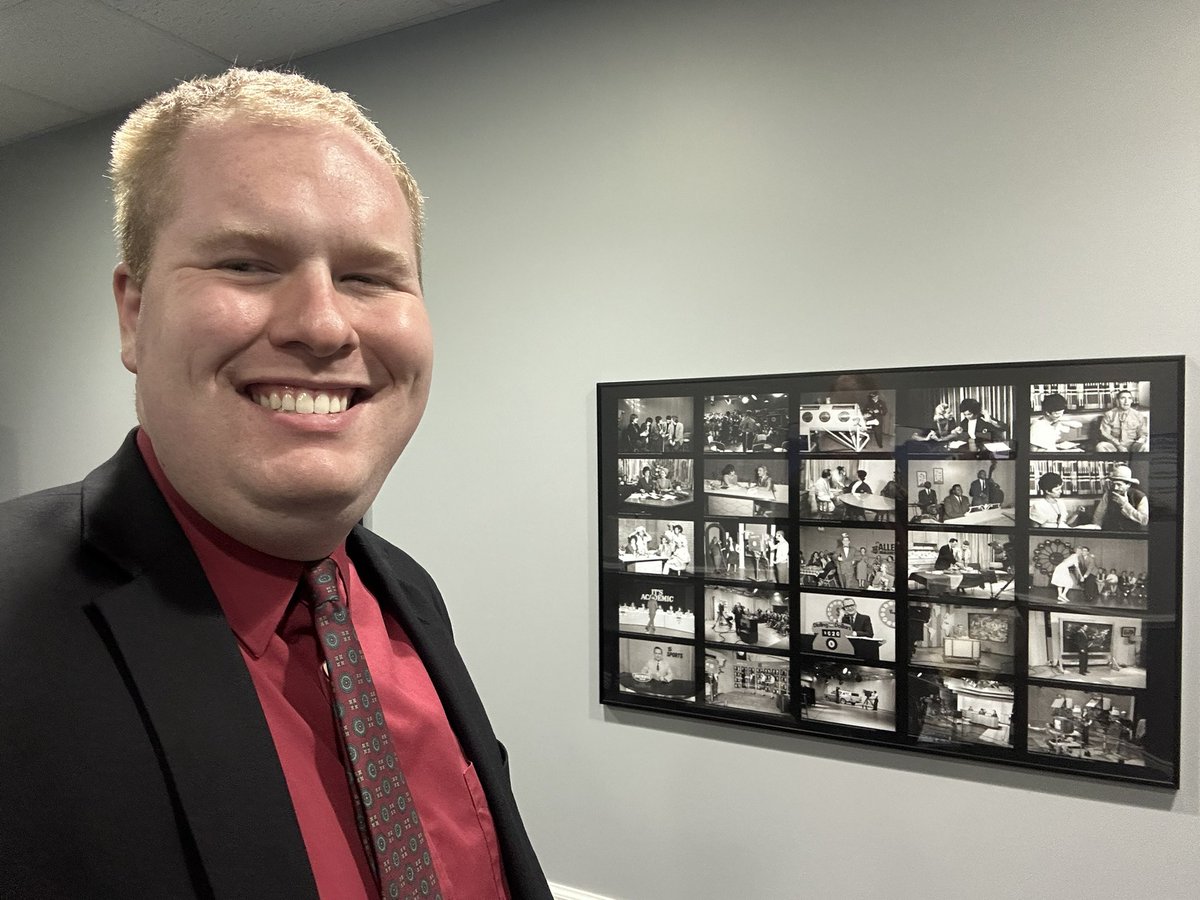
[562,892]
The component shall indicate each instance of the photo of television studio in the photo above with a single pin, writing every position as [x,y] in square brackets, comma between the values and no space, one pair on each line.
[853,490]
[654,425]
[959,420]
[838,693]
[975,638]
[969,564]
[1092,725]
[656,607]
[746,487]
[861,628]
[861,420]
[746,423]
[746,551]
[962,492]
[647,484]
[737,679]
[1089,493]
[753,616]
[847,558]
[1095,417]
[948,708]
[651,546]
[1085,570]
[656,668]
[1097,649]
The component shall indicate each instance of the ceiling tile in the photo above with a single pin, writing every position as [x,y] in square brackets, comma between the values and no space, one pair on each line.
[90,57]
[270,30]
[22,114]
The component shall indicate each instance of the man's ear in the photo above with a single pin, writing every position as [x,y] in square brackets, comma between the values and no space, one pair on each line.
[128,294]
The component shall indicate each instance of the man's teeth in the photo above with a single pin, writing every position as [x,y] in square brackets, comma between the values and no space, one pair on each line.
[303,402]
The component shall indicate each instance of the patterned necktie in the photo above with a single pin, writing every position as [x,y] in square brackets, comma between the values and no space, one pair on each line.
[387,817]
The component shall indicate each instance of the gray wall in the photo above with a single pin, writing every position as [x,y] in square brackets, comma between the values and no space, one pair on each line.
[628,190]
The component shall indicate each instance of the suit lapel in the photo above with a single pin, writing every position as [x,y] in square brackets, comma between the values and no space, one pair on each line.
[197,700]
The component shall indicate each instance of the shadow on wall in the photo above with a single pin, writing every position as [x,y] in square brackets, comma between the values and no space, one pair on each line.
[9,476]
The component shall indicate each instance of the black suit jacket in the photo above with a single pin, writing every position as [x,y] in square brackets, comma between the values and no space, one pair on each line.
[135,760]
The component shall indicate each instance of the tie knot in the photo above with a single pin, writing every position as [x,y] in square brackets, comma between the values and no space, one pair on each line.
[321,578]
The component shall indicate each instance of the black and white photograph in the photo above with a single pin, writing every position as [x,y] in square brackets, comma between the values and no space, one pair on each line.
[850,418]
[1094,648]
[757,682]
[747,551]
[755,487]
[849,489]
[655,607]
[654,424]
[650,484]
[656,668]
[861,628]
[746,423]
[1100,417]
[1089,493]
[742,615]
[1094,726]
[957,636]
[839,693]
[958,708]
[976,565]
[847,559]
[654,546]
[959,420]
[969,492]
[1086,570]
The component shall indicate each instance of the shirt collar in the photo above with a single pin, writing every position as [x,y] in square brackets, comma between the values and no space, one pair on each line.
[253,588]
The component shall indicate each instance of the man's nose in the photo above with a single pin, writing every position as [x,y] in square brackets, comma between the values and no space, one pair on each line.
[310,312]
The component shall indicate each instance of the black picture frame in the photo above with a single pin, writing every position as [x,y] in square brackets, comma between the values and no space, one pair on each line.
[1023,609]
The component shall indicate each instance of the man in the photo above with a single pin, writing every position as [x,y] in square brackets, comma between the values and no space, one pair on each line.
[841,564]
[1123,507]
[927,499]
[658,669]
[181,737]
[779,558]
[748,427]
[981,489]
[956,505]
[874,411]
[947,557]
[1122,428]
[858,623]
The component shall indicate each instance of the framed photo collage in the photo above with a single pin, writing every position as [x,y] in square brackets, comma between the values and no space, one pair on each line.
[976,561]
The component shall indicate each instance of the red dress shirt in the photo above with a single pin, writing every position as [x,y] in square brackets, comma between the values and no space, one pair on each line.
[278,644]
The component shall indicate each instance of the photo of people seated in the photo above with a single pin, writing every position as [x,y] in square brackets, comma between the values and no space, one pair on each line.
[746,423]
[837,693]
[656,668]
[977,565]
[959,709]
[848,559]
[861,420]
[753,681]
[652,546]
[654,483]
[652,607]
[734,615]
[1088,571]
[1097,649]
[971,638]
[1103,417]
[1089,493]
[853,490]
[747,487]
[654,425]
[960,420]
[862,628]
[1102,727]
[962,492]
[747,551]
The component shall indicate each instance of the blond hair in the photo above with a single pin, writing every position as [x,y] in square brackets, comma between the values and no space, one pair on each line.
[144,147]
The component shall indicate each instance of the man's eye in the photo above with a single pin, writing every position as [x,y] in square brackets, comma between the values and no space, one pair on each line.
[240,265]
[367,279]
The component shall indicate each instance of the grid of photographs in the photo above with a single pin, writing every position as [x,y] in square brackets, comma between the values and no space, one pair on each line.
[975,561]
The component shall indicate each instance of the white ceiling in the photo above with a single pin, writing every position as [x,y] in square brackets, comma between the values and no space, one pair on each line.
[63,61]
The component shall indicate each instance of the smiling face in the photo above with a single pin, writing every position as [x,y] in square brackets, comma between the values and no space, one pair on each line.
[280,339]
